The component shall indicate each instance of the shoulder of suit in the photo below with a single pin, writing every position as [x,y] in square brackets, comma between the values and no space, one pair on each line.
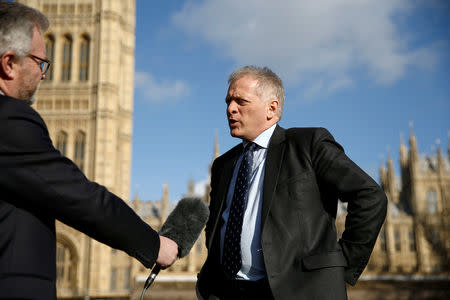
[306,133]
[21,127]
[11,107]
[230,154]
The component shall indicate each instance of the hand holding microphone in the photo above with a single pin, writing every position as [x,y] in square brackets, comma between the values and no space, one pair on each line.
[182,227]
[168,252]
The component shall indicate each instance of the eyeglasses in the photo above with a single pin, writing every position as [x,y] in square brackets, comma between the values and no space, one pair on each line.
[44,64]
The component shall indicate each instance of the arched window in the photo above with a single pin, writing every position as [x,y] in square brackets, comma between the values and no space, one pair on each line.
[382,240]
[66,58]
[66,266]
[397,240]
[127,278]
[199,244]
[80,145]
[412,241]
[113,279]
[432,201]
[61,142]
[50,49]
[435,238]
[84,58]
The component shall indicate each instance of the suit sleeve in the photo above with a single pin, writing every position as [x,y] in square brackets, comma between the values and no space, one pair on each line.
[37,178]
[367,203]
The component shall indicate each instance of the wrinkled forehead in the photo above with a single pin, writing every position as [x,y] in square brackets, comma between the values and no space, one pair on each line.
[243,85]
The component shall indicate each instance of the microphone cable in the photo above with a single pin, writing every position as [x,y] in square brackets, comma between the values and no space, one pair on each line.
[150,280]
[183,225]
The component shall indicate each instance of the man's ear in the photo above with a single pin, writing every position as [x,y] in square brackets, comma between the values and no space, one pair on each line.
[9,65]
[272,108]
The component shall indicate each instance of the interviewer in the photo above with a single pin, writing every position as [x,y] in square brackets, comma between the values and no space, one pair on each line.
[39,185]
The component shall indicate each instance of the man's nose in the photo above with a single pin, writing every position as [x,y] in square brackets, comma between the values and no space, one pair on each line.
[231,107]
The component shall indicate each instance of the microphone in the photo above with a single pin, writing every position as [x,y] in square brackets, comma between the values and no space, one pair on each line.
[183,225]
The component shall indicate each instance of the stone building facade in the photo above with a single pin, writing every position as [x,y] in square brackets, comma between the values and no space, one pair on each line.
[415,238]
[87,103]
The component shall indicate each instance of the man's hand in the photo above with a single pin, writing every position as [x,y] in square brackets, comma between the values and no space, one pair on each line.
[168,252]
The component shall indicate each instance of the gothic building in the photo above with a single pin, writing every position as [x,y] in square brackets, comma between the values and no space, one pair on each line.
[415,238]
[87,102]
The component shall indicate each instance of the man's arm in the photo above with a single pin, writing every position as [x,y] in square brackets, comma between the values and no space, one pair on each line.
[367,203]
[43,182]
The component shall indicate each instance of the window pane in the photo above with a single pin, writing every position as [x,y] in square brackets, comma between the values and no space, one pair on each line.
[412,241]
[50,49]
[113,278]
[61,143]
[80,144]
[65,266]
[84,59]
[126,278]
[397,240]
[382,240]
[432,201]
[67,59]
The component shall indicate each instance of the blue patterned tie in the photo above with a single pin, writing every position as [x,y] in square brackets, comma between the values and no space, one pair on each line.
[232,259]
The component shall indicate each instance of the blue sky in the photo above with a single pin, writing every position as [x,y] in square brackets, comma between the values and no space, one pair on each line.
[362,69]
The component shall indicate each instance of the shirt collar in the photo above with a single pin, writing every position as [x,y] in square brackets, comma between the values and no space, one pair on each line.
[1,93]
[263,139]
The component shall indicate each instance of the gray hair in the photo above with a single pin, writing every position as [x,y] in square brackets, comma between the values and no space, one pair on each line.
[269,84]
[16,27]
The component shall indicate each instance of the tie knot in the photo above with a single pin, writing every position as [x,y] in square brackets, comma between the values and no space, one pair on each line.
[250,147]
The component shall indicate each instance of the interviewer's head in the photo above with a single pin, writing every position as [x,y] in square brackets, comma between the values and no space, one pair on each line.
[22,50]
[254,100]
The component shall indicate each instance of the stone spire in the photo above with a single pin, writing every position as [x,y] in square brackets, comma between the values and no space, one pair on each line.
[390,178]
[414,153]
[448,144]
[440,156]
[403,152]
[216,145]
[383,178]
[216,151]
[191,187]
[136,197]
[390,170]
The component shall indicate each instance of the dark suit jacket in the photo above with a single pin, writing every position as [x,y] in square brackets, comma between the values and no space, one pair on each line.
[39,185]
[306,173]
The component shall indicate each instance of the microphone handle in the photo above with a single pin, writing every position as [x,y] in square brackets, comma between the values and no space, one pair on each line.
[150,279]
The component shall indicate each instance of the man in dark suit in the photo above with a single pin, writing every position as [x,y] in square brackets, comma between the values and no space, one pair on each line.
[39,185]
[271,231]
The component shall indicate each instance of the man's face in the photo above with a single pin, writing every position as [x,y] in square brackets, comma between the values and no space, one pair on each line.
[247,115]
[30,73]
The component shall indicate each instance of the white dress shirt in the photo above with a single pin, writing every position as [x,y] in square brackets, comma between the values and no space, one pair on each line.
[251,251]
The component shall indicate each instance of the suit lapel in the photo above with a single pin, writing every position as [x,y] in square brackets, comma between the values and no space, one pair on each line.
[222,189]
[274,157]
[225,178]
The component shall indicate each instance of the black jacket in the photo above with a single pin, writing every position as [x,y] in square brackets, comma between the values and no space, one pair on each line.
[306,173]
[39,185]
